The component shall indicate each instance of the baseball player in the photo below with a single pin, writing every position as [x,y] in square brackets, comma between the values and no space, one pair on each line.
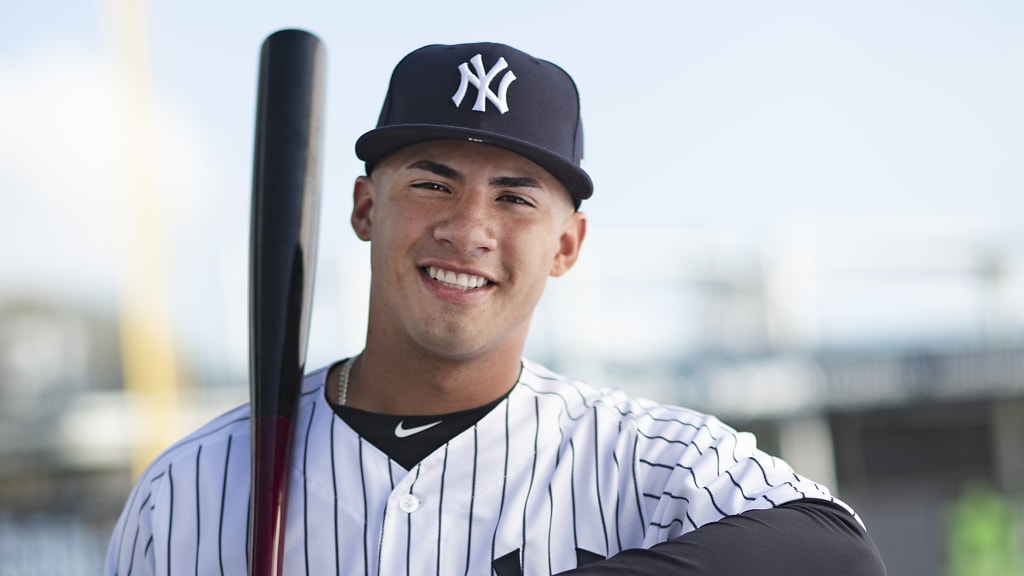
[438,449]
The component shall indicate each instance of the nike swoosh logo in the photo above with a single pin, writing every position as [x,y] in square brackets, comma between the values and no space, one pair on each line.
[402,432]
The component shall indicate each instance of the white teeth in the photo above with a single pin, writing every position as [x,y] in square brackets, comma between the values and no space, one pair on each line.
[451,279]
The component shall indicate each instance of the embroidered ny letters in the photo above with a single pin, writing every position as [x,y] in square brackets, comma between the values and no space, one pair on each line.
[482,80]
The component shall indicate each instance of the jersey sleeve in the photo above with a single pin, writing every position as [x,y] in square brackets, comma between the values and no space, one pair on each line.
[131,549]
[693,470]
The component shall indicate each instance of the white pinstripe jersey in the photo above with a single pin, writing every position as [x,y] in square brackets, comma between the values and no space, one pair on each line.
[557,471]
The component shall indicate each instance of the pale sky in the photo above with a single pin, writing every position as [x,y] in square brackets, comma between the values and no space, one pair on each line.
[792,123]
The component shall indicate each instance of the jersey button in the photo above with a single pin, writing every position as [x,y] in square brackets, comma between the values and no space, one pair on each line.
[409,503]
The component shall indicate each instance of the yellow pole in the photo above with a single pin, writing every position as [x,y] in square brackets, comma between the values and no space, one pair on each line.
[147,350]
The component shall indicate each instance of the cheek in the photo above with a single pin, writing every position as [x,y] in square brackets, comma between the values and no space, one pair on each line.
[394,230]
[535,254]
[389,249]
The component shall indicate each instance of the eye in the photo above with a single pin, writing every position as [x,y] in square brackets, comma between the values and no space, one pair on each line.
[515,199]
[429,185]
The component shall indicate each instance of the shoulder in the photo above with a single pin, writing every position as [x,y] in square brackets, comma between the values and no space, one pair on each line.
[231,428]
[646,417]
[211,463]
[688,454]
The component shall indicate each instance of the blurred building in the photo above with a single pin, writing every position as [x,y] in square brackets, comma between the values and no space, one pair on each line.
[59,367]
[67,433]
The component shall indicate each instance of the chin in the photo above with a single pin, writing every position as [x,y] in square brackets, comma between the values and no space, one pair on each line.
[452,348]
[458,345]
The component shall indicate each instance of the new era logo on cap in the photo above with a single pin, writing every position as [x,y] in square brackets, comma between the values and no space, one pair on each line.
[521,103]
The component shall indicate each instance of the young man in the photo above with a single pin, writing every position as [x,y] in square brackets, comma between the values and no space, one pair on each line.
[438,449]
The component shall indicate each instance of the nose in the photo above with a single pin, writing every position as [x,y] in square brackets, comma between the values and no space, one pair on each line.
[468,224]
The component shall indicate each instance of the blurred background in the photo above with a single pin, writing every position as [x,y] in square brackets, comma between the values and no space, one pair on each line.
[808,220]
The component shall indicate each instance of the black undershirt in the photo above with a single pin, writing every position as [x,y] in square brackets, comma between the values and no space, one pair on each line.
[406,445]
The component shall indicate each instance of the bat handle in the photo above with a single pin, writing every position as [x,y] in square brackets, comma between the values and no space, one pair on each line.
[272,439]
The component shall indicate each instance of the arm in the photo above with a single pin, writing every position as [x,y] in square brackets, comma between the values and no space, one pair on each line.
[800,537]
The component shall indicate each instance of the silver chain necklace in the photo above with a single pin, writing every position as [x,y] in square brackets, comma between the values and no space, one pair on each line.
[343,380]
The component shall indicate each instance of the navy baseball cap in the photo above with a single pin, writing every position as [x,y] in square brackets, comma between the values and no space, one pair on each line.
[489,93]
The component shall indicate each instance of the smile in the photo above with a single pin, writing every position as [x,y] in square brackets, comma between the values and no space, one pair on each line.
[455,280]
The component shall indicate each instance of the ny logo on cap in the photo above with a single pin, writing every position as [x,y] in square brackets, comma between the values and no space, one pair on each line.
[482,80]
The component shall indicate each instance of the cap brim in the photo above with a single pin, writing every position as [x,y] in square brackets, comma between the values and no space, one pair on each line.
[378,143]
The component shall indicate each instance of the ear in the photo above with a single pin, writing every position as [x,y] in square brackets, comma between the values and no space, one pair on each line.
[362,207]
[569,243]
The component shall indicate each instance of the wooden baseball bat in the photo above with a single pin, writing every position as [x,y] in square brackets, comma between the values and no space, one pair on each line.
[285,219]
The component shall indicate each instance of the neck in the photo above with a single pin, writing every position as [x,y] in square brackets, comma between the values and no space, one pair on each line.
[425,385]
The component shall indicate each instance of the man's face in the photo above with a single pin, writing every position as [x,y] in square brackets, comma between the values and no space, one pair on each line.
[463,238]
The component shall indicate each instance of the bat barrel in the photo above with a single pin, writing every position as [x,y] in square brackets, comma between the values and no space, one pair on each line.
[285,218]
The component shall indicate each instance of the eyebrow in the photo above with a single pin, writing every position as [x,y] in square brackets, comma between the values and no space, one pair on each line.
[442,170]
[514,182]
[445,171]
